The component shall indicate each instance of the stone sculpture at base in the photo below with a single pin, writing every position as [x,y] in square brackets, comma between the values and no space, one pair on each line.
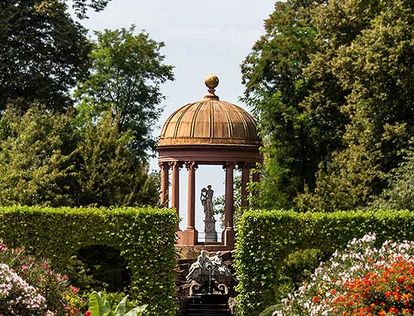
[209,275]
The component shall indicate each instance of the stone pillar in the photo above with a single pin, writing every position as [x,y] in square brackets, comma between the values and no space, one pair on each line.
[191,167]
[175,186]
[164,184]
[245,178]
[229,206]
[189,236]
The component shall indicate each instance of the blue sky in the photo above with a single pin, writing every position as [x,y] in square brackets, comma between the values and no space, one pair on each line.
[200,37]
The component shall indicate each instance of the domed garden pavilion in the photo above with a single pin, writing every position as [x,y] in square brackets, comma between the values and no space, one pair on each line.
[207,132]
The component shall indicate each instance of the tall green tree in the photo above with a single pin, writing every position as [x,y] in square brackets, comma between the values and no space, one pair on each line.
[127,72]
[375,66]
[295,139]
[354,112]
[43,53]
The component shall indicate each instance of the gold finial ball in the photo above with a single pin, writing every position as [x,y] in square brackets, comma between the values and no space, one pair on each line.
[211,81]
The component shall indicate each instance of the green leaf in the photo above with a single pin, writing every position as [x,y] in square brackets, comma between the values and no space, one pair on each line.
[121,308]
[137,311]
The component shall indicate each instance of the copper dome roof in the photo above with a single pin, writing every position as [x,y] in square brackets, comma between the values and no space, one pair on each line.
[210,122]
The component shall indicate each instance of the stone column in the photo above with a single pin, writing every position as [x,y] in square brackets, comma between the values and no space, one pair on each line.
[229,206]
[191,167]
[189,236]
[175,186]
[229,196]
[164,183]
[245,177]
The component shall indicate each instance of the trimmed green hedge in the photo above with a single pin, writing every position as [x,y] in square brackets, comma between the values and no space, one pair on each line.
[266,238]
[145,237]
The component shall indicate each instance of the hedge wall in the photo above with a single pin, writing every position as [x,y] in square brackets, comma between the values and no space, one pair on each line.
[145,238]
[266,238]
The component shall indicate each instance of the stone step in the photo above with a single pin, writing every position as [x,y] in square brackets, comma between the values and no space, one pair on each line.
[207,305]
[212,312]
[202,313]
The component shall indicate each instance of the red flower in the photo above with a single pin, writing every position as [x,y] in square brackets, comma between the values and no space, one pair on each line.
[88,313]
[315,299]
[401,279]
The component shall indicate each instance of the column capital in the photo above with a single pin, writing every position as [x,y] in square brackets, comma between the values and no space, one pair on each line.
[229,164]
[173,164]
[163,164]
[191,165]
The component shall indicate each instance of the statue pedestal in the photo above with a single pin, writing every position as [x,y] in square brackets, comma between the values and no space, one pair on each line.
[210,230]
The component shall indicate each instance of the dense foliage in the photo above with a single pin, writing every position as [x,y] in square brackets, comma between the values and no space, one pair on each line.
[127,70]
[331,84]
[399,193]
[46,160]
[36,158]
[145,238]
[266,238]
[360,280]
[109,173]
[43,53]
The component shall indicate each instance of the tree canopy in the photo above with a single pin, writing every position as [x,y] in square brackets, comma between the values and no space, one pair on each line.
[81,6]
[43,53]
[46,160]
[127,71]
[331,84]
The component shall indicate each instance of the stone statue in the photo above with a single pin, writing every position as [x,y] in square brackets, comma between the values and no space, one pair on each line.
[197,267]
[209,274]
[206,198]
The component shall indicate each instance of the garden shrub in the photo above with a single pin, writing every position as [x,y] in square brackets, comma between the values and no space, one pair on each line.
[145,238]
[19,297]
[267,238]
[361,280]
[29,286]
[295,268]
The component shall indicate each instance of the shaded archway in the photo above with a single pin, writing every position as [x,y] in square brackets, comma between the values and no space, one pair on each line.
[102,267]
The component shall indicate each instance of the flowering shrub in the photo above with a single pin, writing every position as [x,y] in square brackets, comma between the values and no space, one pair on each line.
[17,297]
[362,280]
[31,287]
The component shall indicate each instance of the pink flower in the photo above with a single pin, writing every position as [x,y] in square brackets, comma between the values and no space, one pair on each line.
[88,313]
[74,290]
